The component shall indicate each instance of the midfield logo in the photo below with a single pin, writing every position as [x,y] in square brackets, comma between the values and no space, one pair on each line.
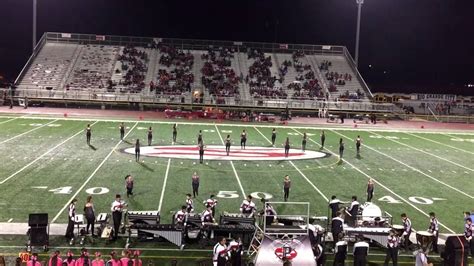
[215,152]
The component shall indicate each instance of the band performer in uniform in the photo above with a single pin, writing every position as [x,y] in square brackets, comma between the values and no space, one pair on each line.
[88,134]
[175,132]
[341,149]
[71,219]
[358,142]
[201,151]
[122,130]
[392,249]
[247,207]
[287,147]
[303,142]
[211,203]
[323,139]
[227,144]
[274,136]
[189,203]
[243,139]
[370,190]
[150,136]
[406,231]
[286,187]
[117,209]
[199,140]
[195,184]
[129,185]
[180,216]
[137,150]
[434,229]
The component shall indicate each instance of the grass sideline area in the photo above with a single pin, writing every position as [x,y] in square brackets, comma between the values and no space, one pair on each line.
[46,163]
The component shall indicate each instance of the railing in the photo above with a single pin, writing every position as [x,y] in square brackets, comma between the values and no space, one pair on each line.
[116,97]
[356,71]
[37,49]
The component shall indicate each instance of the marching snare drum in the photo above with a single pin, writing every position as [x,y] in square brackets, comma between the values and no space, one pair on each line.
[424,239]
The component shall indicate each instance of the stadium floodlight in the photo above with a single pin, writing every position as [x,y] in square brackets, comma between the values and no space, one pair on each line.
[34,24]
[359,11]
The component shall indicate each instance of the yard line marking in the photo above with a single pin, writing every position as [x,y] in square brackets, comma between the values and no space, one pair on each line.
[11,219]
[44,154]
[164,184]
[261,126]
[440,143]
[297,169]
[29,131]
[420,150]
[92,175]
[232,165]
[411,167]
[6,121]
[380,184]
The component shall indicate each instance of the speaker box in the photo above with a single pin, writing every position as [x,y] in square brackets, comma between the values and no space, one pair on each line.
[456,251]
[38,219]
[39,236]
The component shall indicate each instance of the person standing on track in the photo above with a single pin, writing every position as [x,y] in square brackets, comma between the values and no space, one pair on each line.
[117,209]
[150,136]
[392,249]
[286,187]
[287,147]
[122,130]
[175,132]
[201,151]
[71,219]
[358,142]
[323,139]
[227,144]
[434,229]
[370,190]
[274,136]
[129,182]
[341,149]
[303,142]
[195,184]
[88,134]
[137,150]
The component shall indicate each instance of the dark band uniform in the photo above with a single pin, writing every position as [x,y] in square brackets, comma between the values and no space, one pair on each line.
[354,210]
[227,145]
[468,233]
[150,136]
[180,217]
[340,253]
[303,143]
[211,203]
[247,207]
[189,205]
[243,140]
[334,205]
[274,135]
[220,255]
[337,224]
[122,131]
[71,220]
[434,229]
[235,249]
[117,209]
[392,249]
[361,250]
[88,135]
[270,214]
[407,232]
[358,141]
[207,217]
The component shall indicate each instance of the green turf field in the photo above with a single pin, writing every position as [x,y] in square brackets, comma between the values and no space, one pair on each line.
[45,163]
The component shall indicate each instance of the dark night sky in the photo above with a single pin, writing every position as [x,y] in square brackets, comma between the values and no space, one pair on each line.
[419,44]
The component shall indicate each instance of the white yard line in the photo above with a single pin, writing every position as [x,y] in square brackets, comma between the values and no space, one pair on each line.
[29,131]
[44,154]
[164,185]
[440,143]
[232,165]
[380,184]
[6,121]
[92,175]
[298,126]
[297,169]
[411,167]
[425,152]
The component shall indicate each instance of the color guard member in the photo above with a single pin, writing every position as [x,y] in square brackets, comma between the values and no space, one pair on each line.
[287,147]
[88,134]
[129,182]
[323,139]
[122,130]
[137,150]
[370,189]
[227,144]
[150,136]
[175,132]
[195,184]
[199,140]
[358,142]
[341,149]
[286,187]
[243,139]
[274,135]
[303,142]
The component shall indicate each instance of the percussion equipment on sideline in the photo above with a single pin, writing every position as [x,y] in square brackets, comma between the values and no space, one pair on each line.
[424,239]
[236,218]
[170,232]
[143,217]
[399,229]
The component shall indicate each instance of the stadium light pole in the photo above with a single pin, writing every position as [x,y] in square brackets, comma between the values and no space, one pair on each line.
[34,24]
[359,11]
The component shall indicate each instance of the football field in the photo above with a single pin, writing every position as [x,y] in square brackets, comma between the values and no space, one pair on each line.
[45,163]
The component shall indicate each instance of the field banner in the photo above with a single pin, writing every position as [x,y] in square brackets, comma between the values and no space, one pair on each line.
[283,46]
[65,35]
[100,37]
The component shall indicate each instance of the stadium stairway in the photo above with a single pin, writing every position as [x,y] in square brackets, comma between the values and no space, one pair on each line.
[244,65]
[319,75]
[151,73]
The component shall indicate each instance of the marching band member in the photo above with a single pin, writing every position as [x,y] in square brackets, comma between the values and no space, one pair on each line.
[243,139]
[122,130]
[199,140]
[247,207]
[129,185]
[220,255]
[137,150]
[175,132]
[421,259]
[195,184]
[319,255]
[235,250]
[274,135]
[334,204]
[370,189]
[392,248]
[340,251]
[55,260]
[211,202]
[189,203]
[434,229]
[358,142]
[323,139]
[88,134]
[468,232]
[303,142]
[354,210]
[71,219]
[201,147]
[271,214]
[180,216]
[117,209]
[33,260]
[286,187]
[228,141]
[337,224]
[150,136]
[361,250]
[407,231]
[98,261]
[69,261]
[83,260]
[287,147]
[207,217]
[341,149]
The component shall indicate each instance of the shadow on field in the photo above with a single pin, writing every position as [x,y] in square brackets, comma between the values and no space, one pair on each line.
[92,147]
[146,167]
[359,157]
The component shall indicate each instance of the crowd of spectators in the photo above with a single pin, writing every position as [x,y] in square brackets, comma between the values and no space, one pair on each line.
[177,77]
[305,86]
[218,76]
[134,65]
[261,82]
[351,95]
